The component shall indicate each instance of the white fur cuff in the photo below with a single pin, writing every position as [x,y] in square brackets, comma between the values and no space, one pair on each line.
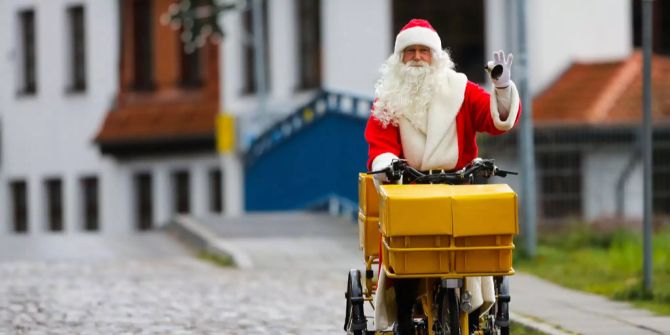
[510,104]
[383,161]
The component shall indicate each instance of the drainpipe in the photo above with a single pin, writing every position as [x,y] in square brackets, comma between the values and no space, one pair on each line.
[258,41]
[623,178]
[526,145]
[646,144]
[1,152]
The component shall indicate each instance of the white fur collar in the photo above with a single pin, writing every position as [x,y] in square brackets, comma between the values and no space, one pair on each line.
[436,146]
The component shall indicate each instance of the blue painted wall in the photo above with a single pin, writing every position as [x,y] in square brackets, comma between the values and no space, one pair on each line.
[321,159]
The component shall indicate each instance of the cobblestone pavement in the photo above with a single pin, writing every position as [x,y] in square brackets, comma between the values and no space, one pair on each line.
[178,295]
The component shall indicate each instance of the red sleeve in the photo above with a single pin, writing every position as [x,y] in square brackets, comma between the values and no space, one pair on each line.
[479,104]
[381,139]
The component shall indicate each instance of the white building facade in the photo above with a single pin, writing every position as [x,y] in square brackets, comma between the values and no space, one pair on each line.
[51,167]
[49,116]
[53,177]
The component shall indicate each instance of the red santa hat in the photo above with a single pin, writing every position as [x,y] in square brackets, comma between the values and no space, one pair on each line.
[417,31]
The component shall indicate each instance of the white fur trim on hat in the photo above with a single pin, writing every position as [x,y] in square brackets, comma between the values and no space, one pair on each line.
[417,35]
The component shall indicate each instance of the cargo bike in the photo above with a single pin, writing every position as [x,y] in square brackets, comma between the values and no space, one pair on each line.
[439,227]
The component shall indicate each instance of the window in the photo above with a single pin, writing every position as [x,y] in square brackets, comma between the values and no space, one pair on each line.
[54,192]
[561,184]
[142,44]
[660,26]
[191,62]
[77,46]
[28,57]
[144,214]
[191,67]
[460,25]
[309,49]
[19,206]
[215,194]
[90,203]
[181,187]
[250,85]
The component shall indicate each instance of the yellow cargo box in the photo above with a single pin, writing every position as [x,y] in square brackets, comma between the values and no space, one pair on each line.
[411,210]
[368,235]
[448,229]
[484,210]
[368,200]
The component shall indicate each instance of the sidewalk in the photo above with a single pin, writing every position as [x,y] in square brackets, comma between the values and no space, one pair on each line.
[288,241]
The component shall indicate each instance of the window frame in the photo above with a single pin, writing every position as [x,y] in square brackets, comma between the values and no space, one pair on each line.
[20,212]
[143,51]
[248,52]
[143,200]
[181,191]
[89,187]
[54,204]
[76,58]
[27,46]
[561,203]
[309,48]
[215,182]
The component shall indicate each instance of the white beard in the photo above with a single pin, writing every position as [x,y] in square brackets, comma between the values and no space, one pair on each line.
[407,90]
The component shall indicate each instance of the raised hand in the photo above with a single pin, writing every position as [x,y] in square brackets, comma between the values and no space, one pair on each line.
[500,69]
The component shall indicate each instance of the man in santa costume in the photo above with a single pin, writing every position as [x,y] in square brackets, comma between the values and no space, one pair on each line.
[429,114]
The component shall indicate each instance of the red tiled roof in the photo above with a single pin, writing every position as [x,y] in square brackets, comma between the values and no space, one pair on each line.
[148,122]
[605,94]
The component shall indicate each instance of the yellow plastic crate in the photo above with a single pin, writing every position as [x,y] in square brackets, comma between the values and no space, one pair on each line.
[368,235]
[368,200]
[482,260]
[448,229]
[404,262]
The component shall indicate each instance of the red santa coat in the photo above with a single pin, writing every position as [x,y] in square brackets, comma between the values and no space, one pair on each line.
[460,110]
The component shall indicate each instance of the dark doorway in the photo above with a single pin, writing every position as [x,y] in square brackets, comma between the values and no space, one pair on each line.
[54,190]
[19,206]
[144,201]
[660,26]
[181,185]
[215,193]
[460,25]
[90,203]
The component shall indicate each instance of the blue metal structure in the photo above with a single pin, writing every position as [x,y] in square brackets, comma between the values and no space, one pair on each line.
[311,158]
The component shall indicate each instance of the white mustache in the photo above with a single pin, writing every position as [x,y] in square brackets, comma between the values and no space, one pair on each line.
[419,63]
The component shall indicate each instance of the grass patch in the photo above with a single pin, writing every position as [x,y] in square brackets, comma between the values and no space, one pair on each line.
[603,262]
[219,260]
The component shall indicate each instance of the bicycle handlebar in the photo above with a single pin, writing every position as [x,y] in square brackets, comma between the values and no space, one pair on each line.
[479,167]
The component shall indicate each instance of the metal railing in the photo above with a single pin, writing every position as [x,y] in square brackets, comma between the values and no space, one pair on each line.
[324,103]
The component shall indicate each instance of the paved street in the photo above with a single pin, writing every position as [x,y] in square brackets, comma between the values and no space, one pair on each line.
[281,240]
[292,283]
[145,291]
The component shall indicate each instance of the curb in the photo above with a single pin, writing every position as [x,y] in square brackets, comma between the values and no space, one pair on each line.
[200,237]
[538,325]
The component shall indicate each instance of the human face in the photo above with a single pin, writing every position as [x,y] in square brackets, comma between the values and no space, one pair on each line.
[416,53]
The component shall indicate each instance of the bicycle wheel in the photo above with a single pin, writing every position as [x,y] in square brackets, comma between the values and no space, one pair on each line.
[502,305]
[354,322]
[447,313]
